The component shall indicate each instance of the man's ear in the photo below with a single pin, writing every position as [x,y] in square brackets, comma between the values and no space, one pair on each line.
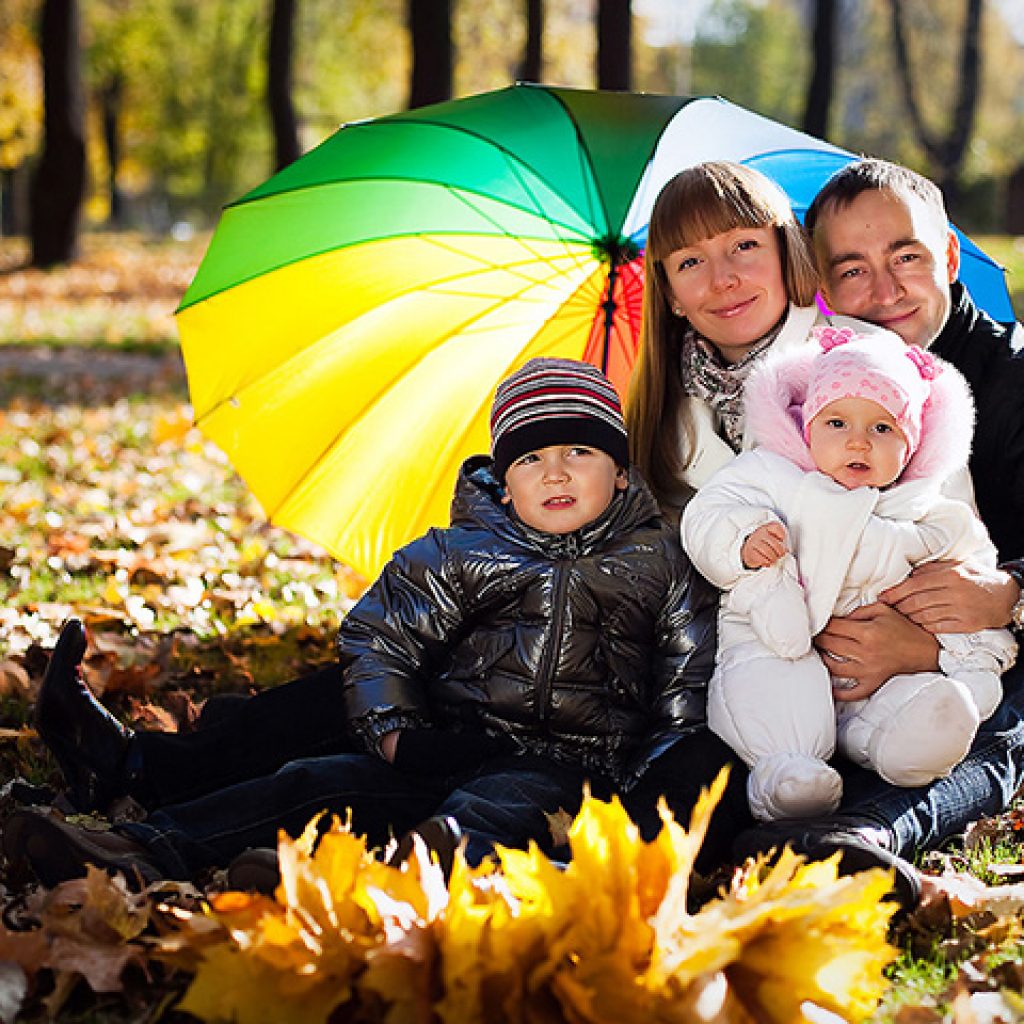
[952,256]
[621,479]
[506,498]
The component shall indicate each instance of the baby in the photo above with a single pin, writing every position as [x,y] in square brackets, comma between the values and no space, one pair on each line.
[857,434]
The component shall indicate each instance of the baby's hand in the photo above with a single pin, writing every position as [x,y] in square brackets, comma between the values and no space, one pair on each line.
[764,547]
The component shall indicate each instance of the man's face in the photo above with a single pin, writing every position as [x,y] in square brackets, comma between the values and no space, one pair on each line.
[887,258]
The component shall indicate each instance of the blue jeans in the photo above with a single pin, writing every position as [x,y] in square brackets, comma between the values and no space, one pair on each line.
[503,801]
[981,785]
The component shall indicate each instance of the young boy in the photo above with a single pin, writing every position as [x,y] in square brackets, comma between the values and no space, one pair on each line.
[553,635]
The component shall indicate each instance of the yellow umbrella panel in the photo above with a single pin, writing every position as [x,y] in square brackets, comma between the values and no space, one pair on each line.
[352,431]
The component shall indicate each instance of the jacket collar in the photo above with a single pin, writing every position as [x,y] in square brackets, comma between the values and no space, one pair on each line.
[478,501]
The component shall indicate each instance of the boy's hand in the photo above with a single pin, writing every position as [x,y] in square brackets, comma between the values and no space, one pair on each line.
[389,745]
[947,597]
[764,547]
[440,752]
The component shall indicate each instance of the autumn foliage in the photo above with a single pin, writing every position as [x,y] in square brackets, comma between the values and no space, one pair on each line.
[608,938]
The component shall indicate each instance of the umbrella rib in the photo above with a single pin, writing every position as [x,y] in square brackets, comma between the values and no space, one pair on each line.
[509,155]
[456,332]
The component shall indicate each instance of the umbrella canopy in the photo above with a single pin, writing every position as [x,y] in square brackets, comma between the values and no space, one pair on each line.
[345,331]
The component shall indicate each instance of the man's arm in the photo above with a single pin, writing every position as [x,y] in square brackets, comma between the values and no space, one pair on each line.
[947,597]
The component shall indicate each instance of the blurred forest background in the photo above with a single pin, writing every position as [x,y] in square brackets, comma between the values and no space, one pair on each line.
[157,112]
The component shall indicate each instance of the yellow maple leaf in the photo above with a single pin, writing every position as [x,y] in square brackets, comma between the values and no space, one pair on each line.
[605,939]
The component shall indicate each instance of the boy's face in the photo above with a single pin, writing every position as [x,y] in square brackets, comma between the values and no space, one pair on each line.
[560,488]
[857,443]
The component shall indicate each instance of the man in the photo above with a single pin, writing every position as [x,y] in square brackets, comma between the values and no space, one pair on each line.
[887,255]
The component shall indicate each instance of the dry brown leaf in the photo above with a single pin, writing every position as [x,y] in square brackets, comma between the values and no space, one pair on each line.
[13,989]
[918,1015]
[559,824]
[14,680]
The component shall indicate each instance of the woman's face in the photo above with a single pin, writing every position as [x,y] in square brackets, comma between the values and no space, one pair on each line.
[729,287]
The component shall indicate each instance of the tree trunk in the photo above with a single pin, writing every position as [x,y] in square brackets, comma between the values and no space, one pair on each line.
[821,87]
[533,60]
[614,44]
[58,188]
[430,28]
[945,153]
[110,108]
[279,83]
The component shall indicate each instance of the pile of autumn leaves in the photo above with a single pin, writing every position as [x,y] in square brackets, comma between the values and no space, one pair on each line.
[607,939]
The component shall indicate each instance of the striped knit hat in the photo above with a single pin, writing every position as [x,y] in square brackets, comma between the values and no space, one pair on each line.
[556,401]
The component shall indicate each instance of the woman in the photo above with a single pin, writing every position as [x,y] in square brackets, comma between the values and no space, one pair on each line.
[729,276]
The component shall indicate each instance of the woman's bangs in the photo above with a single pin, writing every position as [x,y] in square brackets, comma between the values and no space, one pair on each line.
[703,209]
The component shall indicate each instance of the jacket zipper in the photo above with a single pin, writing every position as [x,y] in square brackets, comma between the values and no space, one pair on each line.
[546,670]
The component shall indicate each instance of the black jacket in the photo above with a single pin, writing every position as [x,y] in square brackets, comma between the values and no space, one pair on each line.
[980,349]
[593,648]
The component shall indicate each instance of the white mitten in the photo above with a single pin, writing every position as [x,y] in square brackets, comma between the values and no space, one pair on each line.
[772,600]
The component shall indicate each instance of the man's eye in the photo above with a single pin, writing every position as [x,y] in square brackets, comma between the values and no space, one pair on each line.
[849,273]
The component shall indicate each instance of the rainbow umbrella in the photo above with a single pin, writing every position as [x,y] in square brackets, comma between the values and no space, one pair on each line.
[345,331]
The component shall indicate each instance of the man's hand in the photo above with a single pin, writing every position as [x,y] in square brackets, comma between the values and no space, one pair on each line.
[764,547]
[947,597]
[870,645]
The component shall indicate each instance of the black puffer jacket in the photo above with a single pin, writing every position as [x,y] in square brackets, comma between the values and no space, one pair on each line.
[593,648]
[981,350]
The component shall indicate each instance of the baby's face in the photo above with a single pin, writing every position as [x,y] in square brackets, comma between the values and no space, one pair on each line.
[858,444]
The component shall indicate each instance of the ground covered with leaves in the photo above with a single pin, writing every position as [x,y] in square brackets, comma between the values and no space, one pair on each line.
[117,509]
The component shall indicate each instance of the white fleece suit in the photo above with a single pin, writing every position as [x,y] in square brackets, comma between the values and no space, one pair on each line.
[770,696]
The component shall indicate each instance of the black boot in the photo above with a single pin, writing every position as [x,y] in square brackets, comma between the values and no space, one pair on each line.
[862,842]
[440,834]
[89,744]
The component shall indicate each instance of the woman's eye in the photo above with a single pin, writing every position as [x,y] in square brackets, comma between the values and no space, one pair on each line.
[746,244]
[687,263]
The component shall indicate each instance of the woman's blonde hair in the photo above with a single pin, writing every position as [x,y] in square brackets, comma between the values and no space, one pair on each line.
[695,205]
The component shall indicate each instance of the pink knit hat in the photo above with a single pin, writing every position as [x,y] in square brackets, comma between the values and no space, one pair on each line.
[878,366]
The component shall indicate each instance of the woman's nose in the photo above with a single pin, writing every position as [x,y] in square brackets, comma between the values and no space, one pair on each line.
[723,275]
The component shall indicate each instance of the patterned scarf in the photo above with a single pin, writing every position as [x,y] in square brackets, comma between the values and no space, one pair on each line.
[708,377]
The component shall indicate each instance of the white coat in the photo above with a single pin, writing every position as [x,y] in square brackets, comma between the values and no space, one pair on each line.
[771,695]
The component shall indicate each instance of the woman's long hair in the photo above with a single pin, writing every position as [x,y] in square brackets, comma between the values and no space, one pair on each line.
[695,205]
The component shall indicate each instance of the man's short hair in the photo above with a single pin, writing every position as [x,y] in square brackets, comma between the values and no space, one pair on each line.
[873,175]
